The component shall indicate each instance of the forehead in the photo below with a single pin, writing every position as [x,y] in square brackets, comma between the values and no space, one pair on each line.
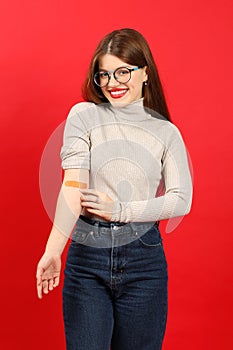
[111,62]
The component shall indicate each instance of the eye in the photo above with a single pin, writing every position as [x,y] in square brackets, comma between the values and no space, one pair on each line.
[103,75]
[122,71]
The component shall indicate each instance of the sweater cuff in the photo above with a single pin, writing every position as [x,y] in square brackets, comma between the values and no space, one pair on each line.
[116,213]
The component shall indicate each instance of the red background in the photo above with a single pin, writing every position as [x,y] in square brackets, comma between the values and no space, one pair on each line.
[45,49]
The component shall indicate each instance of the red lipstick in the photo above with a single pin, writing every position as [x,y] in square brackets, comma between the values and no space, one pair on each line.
[117,93]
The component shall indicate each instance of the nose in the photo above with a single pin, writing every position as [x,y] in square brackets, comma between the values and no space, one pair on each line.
[112,81]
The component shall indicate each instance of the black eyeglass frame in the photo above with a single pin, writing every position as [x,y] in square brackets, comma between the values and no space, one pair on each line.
[114,74]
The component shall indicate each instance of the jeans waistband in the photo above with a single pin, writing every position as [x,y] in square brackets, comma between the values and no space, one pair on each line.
[101,234]
[106,224]
[109,224]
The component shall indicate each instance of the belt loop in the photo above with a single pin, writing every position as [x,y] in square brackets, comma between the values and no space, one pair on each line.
[97,229]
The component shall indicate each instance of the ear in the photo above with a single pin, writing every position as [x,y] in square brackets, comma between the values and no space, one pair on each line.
[145,75]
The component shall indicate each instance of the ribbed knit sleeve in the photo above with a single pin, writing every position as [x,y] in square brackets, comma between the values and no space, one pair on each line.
[177,198]
[75,152]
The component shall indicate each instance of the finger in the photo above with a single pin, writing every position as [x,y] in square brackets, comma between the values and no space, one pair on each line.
[91,205]
[50,284]
[96,212]
[56,281]
[45,287]
[90,191]
[39,274]
[98,208]
[39,290]
[90,198]
[102,214]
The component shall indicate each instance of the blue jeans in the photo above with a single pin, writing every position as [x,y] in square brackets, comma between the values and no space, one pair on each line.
[116,296]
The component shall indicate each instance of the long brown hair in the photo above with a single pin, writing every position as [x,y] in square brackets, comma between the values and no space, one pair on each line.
[132,48]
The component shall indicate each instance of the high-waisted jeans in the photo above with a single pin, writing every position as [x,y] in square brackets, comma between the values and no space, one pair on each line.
[115,294]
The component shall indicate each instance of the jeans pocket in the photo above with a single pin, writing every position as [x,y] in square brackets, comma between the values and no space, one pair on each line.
[152,238]
[81,238]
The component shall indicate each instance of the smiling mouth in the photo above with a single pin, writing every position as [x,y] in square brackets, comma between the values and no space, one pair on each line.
[117,93]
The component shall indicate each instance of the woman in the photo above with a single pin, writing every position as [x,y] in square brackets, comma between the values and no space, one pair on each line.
[120,150]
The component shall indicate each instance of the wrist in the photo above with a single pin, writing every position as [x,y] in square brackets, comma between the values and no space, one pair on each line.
[50,251]
[116,211]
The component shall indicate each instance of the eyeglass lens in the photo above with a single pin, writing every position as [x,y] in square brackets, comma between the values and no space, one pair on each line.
[122,75]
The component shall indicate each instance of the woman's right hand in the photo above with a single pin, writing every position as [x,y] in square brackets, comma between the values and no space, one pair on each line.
[48,273]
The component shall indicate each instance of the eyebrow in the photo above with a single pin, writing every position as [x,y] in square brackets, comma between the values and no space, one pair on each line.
[112,70]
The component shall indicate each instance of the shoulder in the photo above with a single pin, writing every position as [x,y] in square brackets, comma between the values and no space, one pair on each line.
[81,108]
[165,130]
[173,138]
[87,116]
[81,115]
[171,129]
[163,126]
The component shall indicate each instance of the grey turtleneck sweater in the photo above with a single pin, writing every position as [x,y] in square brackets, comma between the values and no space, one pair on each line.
[134,155]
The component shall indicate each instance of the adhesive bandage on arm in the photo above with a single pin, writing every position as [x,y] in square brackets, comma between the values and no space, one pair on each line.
[76,184]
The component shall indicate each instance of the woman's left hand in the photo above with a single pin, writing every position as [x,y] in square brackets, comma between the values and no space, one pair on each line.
[97,203]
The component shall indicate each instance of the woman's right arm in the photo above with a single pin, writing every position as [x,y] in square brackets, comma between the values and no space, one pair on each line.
[67,212]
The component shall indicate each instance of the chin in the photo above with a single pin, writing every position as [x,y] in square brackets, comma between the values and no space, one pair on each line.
[120,102]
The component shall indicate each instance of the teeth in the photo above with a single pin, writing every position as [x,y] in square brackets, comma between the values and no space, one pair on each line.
[118,92]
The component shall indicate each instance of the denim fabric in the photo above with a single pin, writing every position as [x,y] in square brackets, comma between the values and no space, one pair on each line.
[117,234]
[116,297]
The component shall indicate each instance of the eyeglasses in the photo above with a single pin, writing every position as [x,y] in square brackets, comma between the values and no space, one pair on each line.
[121,74]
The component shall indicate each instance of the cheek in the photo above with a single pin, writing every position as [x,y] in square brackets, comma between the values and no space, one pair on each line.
[136,84]
[136,87]
[104,92]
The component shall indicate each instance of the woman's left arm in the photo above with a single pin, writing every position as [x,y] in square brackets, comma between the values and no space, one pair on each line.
[176,200]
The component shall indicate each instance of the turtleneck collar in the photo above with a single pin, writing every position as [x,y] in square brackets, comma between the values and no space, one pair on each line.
[133,111]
